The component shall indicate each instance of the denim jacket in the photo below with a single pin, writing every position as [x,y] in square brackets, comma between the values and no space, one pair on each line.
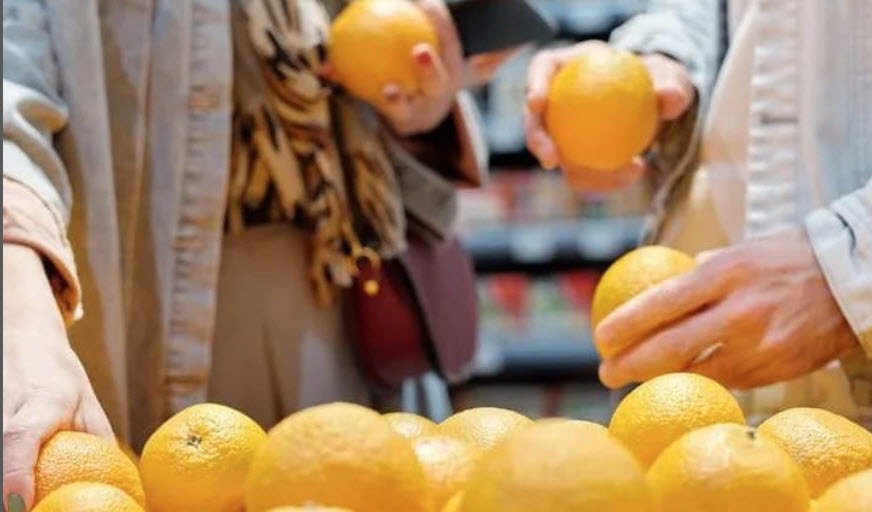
[116,140]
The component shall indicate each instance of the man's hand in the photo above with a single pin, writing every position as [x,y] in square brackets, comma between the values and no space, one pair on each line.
[45,388]
[765,306]
[675,94]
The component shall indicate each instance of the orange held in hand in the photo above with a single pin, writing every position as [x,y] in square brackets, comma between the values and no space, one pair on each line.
[70,457]
[601,109]
[632,274]
[371,44]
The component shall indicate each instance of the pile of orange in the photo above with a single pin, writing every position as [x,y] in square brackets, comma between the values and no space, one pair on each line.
[678,442]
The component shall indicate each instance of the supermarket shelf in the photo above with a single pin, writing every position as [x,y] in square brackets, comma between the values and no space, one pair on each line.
[552,246]
[539,360]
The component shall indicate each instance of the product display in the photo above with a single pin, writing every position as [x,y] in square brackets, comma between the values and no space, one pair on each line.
[677,443]
[437,256]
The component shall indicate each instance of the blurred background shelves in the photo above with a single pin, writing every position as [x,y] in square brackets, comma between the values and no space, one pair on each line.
[553,246]
[539,248]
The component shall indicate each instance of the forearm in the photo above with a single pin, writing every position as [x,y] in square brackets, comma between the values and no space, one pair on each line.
[27,294]
[29,222]
[841,236]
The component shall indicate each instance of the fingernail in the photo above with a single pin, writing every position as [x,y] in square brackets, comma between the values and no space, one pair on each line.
[424,59]
[15,503]
[392,93]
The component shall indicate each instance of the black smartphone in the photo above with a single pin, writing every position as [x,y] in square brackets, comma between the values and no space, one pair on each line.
[492,25]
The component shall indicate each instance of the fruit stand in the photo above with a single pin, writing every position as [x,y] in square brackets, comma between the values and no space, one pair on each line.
[533,429]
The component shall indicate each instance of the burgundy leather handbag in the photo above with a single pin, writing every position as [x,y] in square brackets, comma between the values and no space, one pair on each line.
[422,316]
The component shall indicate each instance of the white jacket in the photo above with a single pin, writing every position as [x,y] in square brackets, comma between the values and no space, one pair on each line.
[785,124]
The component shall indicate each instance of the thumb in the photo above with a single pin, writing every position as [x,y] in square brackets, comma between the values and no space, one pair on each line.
[23,437]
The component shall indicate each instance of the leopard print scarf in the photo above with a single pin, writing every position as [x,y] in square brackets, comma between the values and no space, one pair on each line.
[303,153]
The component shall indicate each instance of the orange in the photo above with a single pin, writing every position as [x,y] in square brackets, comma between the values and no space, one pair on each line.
[308,508]
[557,467]
[661,410]
[632,274]
[371,44]
[826,446]
[338,454]
[447,462]
[88,497]
[484,427]
[411,425]
[601,109]
[454,504]
[850,494]
[197,460]
[594,428]
[78,457]
[724,468]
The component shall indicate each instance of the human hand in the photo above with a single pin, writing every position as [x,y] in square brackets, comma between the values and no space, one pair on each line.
[672,85]
[442,73]
[45,388]
[763,307]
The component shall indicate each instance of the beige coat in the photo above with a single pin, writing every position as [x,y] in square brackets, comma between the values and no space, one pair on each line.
[116,140]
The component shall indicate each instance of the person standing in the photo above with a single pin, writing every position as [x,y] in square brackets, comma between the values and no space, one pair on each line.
[763,168]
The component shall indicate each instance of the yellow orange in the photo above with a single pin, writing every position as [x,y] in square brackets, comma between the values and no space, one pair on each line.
[632,274]
[826,446]
[338,454]
[411,425]
[850,494]
[309,508]
[601,109]
[447,462]
[725,467]
[557,467]
[88,497]
[484,427]
[198,459]
[594,428]
[70,457]
[371,43]
[454,504]
[661,410]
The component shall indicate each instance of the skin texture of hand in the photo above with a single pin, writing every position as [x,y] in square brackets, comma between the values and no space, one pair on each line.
[765,304]
[443,73]
[45,388]
[675,94]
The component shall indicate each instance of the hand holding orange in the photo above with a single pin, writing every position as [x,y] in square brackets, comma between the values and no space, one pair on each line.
[405,58]
[592,110]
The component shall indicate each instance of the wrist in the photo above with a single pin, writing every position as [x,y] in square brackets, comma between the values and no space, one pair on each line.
[27,292]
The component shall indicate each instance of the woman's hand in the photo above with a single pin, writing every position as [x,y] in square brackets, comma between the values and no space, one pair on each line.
[675,94]
[45,388]
[443,73]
